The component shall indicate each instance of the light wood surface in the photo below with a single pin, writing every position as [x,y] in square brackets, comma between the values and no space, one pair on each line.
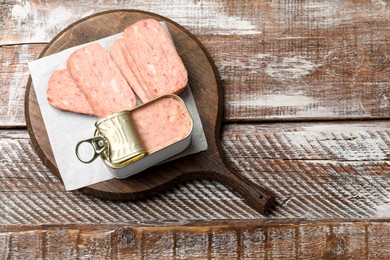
[302,82]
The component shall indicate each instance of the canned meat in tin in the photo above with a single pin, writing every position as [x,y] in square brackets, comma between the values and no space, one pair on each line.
[131,141]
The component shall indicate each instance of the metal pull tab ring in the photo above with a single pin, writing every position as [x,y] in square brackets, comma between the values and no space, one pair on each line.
[98,143]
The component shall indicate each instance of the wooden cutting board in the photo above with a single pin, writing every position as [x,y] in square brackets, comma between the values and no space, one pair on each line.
[207,92]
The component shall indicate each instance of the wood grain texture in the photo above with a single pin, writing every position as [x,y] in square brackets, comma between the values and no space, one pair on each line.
[278,60]
[342,168]
[292,60]
[345,240]
[320,175]
[32,195]
[13,79]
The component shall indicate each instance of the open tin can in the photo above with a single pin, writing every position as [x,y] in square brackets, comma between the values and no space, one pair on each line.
[131,141]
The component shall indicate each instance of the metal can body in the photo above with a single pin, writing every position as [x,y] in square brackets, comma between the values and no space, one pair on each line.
[163,153]
[131,141]
[149,160]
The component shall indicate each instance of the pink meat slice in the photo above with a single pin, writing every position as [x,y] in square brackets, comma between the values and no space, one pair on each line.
[100,80]
[118,56]
[63,93]
[155,57]
[161,123]
[133,67]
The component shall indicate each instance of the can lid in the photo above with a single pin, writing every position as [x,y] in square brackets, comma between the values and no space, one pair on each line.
[116,141]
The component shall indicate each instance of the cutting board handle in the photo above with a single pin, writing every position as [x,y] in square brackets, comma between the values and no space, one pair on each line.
[255,195]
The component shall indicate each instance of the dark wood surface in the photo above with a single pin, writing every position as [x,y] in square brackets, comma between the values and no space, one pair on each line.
[306,90]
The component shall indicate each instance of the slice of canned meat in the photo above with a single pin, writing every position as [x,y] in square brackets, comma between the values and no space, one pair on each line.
[64,94]
[100,80]
[118,56]
[162,123]
[154,55]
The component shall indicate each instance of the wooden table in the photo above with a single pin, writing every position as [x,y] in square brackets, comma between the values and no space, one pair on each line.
[307,106]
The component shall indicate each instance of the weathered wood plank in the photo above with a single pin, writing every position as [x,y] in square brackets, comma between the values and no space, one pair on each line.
[224,244]
[310,80]
[311,241]
[14,74]
[31,21]
[62,243]
[295,60]
[324,240]
[192,244]
[94,245]
[5,245]
[376,250]
[317,170]
[331,169]
[155,244]
[312,60]
[337,141]
[26,245]
[348,246]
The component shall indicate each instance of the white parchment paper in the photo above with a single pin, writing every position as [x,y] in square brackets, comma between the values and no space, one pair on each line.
[66,129]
